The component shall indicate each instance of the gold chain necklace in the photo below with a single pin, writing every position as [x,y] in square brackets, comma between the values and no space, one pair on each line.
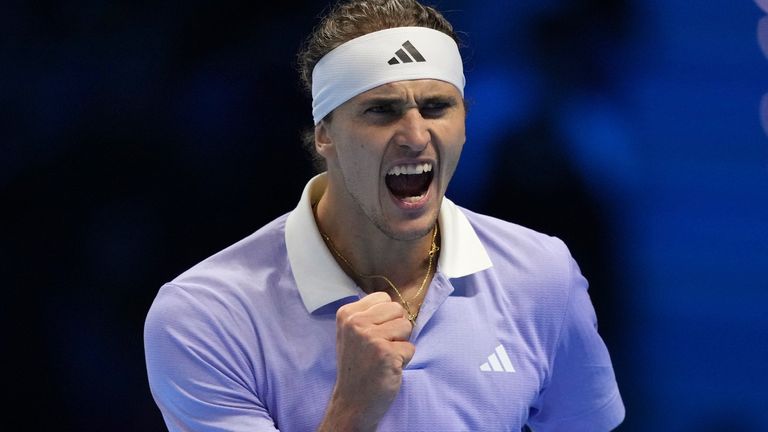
[406,303]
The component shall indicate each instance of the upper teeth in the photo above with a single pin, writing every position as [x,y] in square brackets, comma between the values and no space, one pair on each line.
[411,169]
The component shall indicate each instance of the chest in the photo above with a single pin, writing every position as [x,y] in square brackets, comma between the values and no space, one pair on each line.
[476,367]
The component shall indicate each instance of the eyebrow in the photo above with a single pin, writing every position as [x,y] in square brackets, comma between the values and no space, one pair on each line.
[383,100]
[439,98]
[395,100]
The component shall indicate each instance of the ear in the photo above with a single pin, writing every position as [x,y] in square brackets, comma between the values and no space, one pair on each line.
[323,140]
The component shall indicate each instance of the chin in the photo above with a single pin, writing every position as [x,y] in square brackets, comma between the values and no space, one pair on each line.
[410,230]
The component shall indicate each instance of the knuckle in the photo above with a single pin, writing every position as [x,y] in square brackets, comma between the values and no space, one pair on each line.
[353,320]
[381,348]
[403,325]
[356,325]
[379,345]
[411,348]
[382,296]
[396,307]
[342,313]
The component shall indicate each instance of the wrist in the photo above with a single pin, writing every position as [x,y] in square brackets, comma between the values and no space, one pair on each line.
[344,416]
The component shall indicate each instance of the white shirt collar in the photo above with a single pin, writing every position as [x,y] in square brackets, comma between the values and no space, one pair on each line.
[321,281]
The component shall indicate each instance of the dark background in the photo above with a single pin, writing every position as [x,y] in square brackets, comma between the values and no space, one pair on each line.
[139,137]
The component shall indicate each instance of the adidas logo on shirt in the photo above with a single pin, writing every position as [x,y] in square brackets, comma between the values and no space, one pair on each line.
[415,55]
[498,361]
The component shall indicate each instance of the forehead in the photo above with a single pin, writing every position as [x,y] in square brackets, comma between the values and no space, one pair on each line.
[410,89]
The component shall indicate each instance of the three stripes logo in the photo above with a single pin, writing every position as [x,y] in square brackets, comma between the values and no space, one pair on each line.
[498,361]
[415,55]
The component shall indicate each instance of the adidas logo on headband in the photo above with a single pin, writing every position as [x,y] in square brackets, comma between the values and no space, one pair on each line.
[404,57]
[356,66]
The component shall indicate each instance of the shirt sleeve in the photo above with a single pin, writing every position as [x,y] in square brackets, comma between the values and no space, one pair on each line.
[199,378]
[581,394]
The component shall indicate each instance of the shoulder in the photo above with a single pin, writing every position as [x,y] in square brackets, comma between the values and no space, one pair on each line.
[237,269]
[262,248]
[509,244]
[532,277]
[201,316]
[224,286]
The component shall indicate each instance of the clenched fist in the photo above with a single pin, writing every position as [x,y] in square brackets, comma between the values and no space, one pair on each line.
[372,349]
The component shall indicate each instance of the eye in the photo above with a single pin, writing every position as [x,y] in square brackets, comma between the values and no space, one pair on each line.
[380,109]
[434,109]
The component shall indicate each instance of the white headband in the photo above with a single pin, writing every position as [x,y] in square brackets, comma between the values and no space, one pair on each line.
[385,56]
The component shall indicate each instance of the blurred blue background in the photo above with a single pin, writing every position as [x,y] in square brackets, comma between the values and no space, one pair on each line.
[138,138]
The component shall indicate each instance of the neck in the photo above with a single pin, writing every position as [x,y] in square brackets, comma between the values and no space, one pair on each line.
[368,251]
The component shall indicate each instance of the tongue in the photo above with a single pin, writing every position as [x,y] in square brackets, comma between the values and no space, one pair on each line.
[408,185]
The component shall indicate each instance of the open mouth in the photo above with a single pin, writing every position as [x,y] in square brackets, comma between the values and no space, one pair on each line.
[409,182]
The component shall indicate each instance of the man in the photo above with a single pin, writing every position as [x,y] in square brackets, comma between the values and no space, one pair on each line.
[377,303]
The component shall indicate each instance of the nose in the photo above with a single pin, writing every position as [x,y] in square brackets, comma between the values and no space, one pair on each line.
[413,131]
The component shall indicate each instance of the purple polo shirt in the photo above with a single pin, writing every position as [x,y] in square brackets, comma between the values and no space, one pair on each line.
[507,336]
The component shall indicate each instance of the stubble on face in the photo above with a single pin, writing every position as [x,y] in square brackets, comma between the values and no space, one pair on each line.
[378,221]
[364,143]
